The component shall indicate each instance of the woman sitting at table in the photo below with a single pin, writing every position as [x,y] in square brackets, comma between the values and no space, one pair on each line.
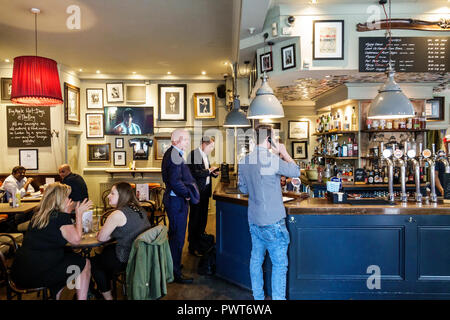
[42,261]
[124,224]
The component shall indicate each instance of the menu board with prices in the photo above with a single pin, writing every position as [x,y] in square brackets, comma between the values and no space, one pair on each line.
[409,54]
[28,126]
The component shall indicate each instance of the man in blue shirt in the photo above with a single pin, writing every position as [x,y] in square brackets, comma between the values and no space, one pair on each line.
[127,126]
[259,176]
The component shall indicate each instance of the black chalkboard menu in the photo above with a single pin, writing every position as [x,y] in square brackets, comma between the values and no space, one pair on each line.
[360,176]
[410,54]
[28,126]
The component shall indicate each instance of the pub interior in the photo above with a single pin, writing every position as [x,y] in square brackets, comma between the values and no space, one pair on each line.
[357,91]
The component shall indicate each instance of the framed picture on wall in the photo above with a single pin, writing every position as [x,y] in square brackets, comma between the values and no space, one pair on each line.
[120,158]
[99,152]
[6,84]
[205,105]
[119,143]
[28,158]
[299,150]
[71,104]
[172,102]
[288,57]
[298,130]
[434,109]
[94,98]
[161,146]
[266,62]
[114,92]
[328,39]
[94,125]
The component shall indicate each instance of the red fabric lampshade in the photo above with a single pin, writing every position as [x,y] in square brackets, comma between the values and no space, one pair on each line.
[35,81]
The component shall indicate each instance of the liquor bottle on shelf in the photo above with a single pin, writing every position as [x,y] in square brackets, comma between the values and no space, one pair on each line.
[423,121]
[385,175]
[370,177]
[354,126]
[376,176]
[346,124]
[344,150]
[410,176]
[416,122]
[396,175]
[355,148]
[350,148]
[409,124]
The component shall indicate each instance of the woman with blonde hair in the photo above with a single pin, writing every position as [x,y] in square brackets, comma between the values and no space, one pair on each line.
[124,224]
[42,261]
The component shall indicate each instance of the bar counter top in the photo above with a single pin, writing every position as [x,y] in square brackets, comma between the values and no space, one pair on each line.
[321,206]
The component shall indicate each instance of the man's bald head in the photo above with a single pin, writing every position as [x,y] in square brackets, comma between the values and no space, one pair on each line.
[180,138]
[64,170]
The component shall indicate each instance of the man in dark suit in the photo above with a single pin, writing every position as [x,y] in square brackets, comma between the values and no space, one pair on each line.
[76,182]
[177,177]
[201,170]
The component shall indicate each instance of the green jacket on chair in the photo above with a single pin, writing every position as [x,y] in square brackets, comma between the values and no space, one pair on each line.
[150,265]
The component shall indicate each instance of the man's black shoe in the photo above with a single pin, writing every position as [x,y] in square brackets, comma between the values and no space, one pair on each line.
[183,279]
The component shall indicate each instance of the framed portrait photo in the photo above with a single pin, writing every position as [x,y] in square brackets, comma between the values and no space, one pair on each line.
[119,143]
[136,93]
[172,102]
[120,158]
[114,92]
[434,109]
[288,57]
[265,62]
[94,98]
[94,125]
[6,84]
[298,130]
[28,158]
[328,39]
[71,104]
[161,146]
[299,150]
[205,105]
[99,152]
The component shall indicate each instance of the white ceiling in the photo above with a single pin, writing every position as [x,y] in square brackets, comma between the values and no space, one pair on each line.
[149,37]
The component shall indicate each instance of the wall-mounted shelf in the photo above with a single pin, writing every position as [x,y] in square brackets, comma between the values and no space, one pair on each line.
[329,133]
[335,158]
[394,130]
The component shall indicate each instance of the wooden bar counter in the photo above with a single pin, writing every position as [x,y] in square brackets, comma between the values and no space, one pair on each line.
[336,250]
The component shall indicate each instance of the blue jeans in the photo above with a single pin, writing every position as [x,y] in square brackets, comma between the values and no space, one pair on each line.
[275,239]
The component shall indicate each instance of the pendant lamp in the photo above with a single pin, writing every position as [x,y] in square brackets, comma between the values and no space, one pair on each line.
[265,105]
[391,102]
[236,117]
[35,80]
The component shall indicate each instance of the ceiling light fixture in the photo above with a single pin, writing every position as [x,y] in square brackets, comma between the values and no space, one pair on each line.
[168,72]
[265,104]
[390,102]
[35,80]
[203,72]
[236,117]
[98,71]
[7,60]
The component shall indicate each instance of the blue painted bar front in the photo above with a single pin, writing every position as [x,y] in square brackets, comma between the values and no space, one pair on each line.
[338,255]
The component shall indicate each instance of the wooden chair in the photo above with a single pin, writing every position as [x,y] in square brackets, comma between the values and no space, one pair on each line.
[11,287]
[159,212]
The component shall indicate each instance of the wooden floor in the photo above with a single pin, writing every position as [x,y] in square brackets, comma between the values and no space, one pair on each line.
[203,288]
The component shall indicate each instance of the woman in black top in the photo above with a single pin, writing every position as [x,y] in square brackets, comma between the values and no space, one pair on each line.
[124,224]
[42,261]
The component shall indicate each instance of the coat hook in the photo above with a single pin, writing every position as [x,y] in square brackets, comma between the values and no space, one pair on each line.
[55,133]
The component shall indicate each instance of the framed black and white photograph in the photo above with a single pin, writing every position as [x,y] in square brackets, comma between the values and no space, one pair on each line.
[299,150]
[114,92]
[6,84]
[99,152]
[119,143]
[266,62]
[172,102]
[120,158]
[328,39]
[94,125]
[71,104]
[205,105]
[28,158]
[135,94]
[288,57]
[298,130]
[434,109]
[161,146]
[94,98]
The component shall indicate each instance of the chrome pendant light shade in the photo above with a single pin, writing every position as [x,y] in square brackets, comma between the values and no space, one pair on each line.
[390,103]
[265,105]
